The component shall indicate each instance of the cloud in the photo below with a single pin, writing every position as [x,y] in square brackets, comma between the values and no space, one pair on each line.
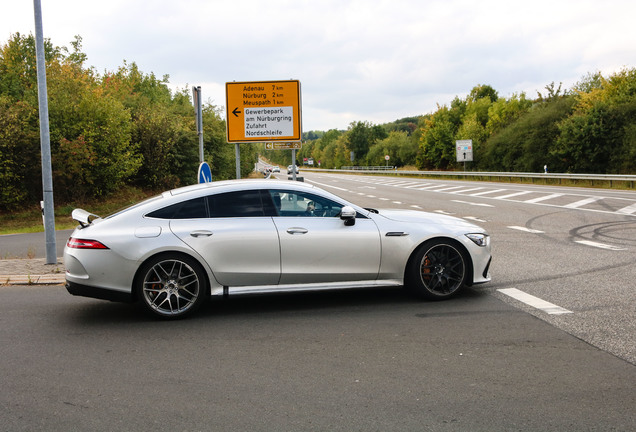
[357,60]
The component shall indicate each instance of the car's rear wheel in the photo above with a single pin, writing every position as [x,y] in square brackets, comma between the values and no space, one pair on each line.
[438,270]
[171,286]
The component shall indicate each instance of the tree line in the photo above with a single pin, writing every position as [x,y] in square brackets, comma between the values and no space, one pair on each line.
[590,128]
[107,130]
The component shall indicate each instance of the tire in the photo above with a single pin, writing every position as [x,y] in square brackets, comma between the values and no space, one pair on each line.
[171,286]
[438,270]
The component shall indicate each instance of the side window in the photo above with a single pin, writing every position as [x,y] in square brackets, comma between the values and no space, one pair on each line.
[295,203]
[191,209]
[236,204]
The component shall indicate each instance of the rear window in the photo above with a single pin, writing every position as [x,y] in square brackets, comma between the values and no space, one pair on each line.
[191,209]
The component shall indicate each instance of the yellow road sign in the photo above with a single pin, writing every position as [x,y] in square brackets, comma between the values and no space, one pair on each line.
[260,111]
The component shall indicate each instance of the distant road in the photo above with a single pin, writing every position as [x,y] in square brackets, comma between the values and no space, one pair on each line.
[32,245]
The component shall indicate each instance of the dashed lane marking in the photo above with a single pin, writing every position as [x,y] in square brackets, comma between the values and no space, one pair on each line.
[599,245]
[473,203]
[524,229]
[473,218]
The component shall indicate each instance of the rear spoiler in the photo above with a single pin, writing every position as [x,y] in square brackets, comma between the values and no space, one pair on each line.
[83,217]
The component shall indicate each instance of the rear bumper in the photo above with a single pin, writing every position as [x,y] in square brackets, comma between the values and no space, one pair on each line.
[98,293]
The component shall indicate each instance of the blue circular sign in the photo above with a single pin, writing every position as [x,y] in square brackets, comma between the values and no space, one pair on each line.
[205,173]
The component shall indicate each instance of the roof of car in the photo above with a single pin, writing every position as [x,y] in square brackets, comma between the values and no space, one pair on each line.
[230,184]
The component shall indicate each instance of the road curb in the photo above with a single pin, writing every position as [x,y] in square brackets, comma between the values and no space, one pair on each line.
[46,279]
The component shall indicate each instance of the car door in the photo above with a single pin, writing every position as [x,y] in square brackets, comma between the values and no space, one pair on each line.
[238,242]
[315,244]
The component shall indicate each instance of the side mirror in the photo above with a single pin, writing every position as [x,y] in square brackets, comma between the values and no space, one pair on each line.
[348,215]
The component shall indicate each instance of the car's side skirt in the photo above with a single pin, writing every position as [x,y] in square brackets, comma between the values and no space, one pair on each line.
[237,290]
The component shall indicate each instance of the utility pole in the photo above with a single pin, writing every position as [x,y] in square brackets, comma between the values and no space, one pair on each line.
[45,139]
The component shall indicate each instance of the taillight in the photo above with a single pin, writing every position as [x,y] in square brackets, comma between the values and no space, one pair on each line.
[76,243]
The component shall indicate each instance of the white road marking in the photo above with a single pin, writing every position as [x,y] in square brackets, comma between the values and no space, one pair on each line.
[416,206]
[488,192]
[627,210]
[430,187]
[448,188]
[582,202]
[599,245]
[466,190]
[543,198]
[473,218]
[512,195]
[472,203]
[535,302]
[529,230]
[443,212]
[326,185]
[398,202]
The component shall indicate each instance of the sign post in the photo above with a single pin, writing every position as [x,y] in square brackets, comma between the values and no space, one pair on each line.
[263,111]
[464,151]
[198,112]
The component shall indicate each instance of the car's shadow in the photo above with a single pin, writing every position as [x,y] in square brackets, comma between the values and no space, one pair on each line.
[96,312]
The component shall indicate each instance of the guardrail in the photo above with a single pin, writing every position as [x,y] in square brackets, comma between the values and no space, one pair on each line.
[370,168]
[612,179]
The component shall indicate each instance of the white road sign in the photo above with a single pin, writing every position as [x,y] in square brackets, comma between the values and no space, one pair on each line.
[464,150]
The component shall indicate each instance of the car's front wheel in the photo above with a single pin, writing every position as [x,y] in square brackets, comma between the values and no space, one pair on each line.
[438,270]
[171,285]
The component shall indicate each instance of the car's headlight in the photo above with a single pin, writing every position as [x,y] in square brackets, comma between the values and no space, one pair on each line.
[479,239]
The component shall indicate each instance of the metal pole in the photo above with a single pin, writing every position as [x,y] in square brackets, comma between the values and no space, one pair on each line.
[200,123]
[237,150]
[45,139]
[294,164]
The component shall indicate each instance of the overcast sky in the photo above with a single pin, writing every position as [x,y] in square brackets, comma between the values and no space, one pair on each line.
[358,60]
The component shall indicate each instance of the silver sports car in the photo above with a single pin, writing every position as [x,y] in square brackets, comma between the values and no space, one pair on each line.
[256,236]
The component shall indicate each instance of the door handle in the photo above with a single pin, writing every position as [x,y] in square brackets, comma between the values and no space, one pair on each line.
[201,233]
[293,231]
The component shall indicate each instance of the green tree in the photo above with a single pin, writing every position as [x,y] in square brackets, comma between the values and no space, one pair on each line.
[398,146]
[19,154]
[361,136]
[437,141]
[526,145]
[481,91]
[599,137]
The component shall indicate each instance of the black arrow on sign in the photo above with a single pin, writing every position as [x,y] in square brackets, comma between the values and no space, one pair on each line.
[236,111]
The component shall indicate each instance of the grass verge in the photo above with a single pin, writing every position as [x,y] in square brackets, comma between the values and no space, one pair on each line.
[30,220]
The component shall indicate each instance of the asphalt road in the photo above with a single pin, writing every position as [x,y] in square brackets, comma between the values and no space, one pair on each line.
[31,245]
[373,360]
[367,360]
[574,248]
